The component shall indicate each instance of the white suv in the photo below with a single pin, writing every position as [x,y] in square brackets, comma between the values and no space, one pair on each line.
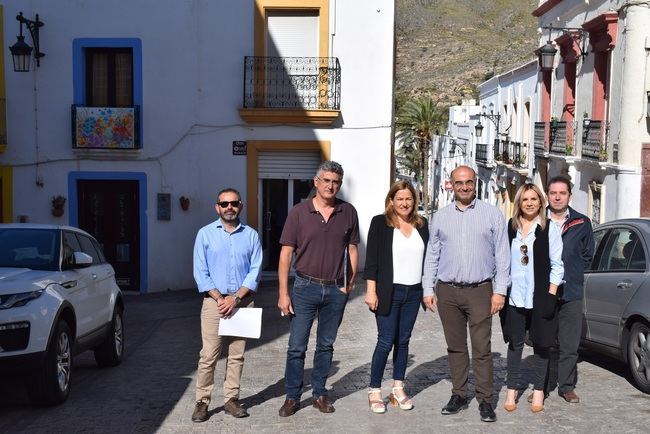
[58,297]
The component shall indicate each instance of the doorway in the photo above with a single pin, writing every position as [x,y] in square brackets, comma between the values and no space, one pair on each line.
[277,198]
[110,211]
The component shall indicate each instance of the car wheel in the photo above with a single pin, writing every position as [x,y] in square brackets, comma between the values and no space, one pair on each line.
[638,355]
[50,385]
[110,352]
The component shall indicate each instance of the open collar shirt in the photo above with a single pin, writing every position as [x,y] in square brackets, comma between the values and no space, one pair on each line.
[523,276]
[468,246]
[227,261]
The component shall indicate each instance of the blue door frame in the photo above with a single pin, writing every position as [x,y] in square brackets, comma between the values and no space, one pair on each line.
[141,178]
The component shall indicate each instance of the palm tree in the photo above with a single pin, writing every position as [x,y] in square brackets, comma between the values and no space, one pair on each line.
[416,123]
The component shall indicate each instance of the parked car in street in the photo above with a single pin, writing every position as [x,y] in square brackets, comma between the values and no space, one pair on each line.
[617,296]
[58,297]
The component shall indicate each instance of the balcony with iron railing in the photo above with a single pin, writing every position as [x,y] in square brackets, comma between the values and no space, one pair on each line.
[594,140]
[107,128]
[483,154]
[496,147]
[291,89]
[514,154]
[540,138]
[562,138]
[520,155]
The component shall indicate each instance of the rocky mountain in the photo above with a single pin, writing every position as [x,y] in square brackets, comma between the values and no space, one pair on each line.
[445,48]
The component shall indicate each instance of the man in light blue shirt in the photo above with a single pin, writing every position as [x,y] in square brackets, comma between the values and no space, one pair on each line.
[227,263]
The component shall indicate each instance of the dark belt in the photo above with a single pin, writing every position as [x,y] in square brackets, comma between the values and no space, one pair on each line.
[338,282]
[466,284]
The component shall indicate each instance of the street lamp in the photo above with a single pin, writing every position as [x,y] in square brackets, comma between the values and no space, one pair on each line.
[547,56]
[496,119]
[548,51]
[21,51]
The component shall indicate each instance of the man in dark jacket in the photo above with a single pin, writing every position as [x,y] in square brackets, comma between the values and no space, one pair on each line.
[577,252]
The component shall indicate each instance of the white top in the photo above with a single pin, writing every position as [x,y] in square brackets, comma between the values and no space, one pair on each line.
[408,253]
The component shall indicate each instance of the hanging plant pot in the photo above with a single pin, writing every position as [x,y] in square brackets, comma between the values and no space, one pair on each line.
[185,203]
[58,202]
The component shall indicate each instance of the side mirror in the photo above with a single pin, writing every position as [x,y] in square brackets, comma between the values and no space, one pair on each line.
[82,260]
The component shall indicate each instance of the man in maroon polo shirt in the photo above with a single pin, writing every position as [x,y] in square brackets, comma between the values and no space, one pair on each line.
[323,232]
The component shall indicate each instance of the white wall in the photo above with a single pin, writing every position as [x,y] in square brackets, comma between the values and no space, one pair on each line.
[192,56]
[629,80]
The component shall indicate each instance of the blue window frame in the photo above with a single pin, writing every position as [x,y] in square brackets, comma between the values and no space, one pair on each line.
[79,68]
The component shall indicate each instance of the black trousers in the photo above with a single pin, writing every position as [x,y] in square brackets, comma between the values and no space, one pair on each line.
[563,369]
[517,319]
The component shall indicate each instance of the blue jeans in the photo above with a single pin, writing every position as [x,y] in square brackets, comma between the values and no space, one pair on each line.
[311,300]
[394,332]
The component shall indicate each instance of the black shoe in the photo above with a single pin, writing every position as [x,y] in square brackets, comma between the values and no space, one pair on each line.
[487,412]
[455,404]
[200,412]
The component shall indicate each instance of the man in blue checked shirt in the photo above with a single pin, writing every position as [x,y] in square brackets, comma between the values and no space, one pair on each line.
[466,278]
[227,263]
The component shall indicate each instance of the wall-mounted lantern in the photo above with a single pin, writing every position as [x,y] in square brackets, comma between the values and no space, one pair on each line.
[21,51]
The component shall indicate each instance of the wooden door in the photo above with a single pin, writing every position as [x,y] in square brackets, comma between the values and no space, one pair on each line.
[109,210]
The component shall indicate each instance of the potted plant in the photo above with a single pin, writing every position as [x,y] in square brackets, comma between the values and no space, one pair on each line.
[58,202]
[602,155]
[185,203]
[569,149]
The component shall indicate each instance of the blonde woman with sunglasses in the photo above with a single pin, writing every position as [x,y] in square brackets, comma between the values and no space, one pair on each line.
[536,271]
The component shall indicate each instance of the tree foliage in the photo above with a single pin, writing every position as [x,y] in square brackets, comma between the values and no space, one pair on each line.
[417,121]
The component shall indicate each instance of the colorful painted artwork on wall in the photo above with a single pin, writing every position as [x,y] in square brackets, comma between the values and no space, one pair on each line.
[105,127]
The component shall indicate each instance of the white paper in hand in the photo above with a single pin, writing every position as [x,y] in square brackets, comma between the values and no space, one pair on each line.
[245,322]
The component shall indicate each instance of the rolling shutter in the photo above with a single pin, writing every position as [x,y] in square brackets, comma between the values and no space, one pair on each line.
[287,164]
[292,34]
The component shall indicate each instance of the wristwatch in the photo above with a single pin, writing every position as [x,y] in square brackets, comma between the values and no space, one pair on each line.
[237,299]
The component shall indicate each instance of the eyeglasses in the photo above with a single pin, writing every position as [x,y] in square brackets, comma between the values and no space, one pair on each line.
[524,251]
[233,203]
[459,184]
[332,182]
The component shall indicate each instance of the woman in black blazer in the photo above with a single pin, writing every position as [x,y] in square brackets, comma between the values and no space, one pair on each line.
[397,241]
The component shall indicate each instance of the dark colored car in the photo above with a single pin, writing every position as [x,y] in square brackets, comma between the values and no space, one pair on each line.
[617,296]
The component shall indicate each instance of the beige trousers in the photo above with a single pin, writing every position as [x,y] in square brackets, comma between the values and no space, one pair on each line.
[213,346]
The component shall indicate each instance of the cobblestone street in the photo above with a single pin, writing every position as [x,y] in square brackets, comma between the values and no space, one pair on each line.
[153,390]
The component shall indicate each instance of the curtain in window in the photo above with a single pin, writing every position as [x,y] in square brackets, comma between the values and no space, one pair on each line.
[123,85]
[99,79]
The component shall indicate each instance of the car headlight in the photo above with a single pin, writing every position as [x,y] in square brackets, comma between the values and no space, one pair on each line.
[16,300]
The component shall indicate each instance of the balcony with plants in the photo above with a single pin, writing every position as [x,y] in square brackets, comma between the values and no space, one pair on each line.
[594,140]
[562,138]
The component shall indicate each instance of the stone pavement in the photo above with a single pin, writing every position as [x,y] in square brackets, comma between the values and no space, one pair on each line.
[153,390]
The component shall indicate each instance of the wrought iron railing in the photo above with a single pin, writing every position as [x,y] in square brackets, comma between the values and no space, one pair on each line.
[506,152]
[562,134]
[520,155]
[594,140]
[482,153]
[292,83]
[540,138]
[497,150]
[105,127]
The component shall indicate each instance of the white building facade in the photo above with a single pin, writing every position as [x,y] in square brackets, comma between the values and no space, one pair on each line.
[457,147]
[508,108]
[593,124]
[138,119]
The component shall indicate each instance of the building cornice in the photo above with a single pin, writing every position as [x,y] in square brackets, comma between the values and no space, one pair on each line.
[545,7]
